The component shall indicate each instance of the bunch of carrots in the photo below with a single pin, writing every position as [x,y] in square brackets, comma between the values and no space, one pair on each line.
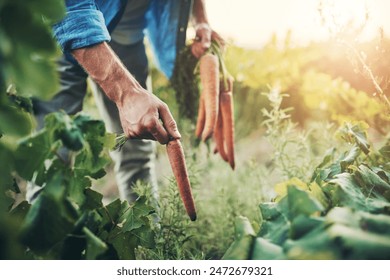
[215,114]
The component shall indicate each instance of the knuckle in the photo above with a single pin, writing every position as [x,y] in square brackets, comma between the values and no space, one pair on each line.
[171,124]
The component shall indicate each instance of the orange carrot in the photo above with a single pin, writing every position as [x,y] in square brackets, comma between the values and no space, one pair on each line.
[209,78]
[201,117]
[218,138]
[228,121]
[178,164]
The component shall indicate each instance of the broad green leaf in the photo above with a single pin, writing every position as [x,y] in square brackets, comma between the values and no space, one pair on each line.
[33,35]
[385,151]
[93,200]
[76,188]
[265,250]
[145,235]
[303,225]
[357,244]
[370,181]
[92,158]
[349,157]
[10,245]
[275,225]
[316,245]
[111,214]
[32,153]
[48,221]
[342,215]
[243,243]
[340,165]
[51,214]
[135,217]
[300,203]
[21,210]
[14,121]
[317,193]
[54,10]
[375,223]
[356,133]
[95,246]
[346,192]
[6,180]
[124,244]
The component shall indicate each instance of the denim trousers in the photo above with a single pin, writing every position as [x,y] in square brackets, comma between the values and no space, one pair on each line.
[136,160]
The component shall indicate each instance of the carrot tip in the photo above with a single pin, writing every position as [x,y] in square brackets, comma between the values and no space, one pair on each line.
[193,217]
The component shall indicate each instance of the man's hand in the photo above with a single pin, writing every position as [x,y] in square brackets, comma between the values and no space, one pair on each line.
[203,33]
[142,114]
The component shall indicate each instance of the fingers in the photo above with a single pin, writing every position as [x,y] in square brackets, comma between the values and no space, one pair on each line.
[216,37]
[168,121]
[202,41]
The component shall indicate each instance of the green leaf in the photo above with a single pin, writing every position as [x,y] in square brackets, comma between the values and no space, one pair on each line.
[303,225]
[385,151]
[76,188]
[245,236]
[95,246]
[356,133]
[265,250]
[316,245]
[50,218]
[357,244]
[375,223]
[135,216]
[14,121]
[145,235]
[93,200]
[346,192]
[32,35]
[125,244]
[6,180]
[300,203]
[275,225]
[317,193]
[340,165]
[32,153]
[370,180]
[54,10]
[20,211]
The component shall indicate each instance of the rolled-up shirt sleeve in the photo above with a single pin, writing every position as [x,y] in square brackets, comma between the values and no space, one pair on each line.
[82,26]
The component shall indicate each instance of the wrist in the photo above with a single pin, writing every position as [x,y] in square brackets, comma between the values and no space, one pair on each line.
[119,84]
[202,25]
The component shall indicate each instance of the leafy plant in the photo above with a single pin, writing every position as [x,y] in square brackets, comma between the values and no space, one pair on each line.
[343,212]
[67,219]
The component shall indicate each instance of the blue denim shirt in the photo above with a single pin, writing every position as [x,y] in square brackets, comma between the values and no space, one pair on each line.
[89,22]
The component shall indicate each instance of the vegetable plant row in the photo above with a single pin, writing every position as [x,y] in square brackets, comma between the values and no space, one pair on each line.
[343,212]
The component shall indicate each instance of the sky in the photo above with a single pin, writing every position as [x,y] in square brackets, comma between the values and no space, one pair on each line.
[251,23]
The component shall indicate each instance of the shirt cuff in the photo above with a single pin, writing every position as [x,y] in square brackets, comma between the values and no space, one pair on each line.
[81,28]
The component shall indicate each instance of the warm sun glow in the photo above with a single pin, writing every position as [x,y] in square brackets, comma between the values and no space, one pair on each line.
[251,23]
[339,14]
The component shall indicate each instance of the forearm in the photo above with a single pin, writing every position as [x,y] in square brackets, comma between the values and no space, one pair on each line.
[105,68]
[199,14]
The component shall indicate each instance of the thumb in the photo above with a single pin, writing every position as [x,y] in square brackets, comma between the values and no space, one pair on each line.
[169,122]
